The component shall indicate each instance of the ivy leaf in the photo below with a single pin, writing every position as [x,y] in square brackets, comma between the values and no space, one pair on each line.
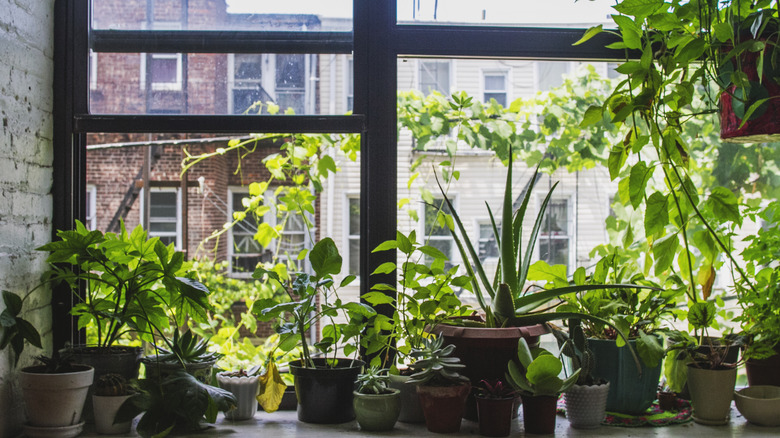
[656,214]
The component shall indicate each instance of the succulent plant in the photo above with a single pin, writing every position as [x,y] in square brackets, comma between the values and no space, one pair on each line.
[435,366]
[495,389]
[110,385]
[374,381]
[574,345]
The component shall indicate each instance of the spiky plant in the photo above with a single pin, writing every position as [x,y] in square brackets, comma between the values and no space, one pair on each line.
[574,345]
[110,385]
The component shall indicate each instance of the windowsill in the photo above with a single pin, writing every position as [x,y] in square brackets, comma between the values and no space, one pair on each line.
[283,424]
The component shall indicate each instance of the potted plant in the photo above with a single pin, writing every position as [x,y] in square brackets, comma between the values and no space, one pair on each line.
[376,405]
[710,378]
[535,375]
[176,403]
[54,394]
[760,301]
[329,375]
[109,393]
[496,407]
[641,314]
[441,387]
[510,308]
[244,385]
[586,400]
[186,352]
[424,297]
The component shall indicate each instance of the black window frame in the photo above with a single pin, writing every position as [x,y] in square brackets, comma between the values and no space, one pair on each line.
[376,42]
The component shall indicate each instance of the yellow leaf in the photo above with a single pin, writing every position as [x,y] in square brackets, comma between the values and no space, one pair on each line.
[706,279]
[271,389]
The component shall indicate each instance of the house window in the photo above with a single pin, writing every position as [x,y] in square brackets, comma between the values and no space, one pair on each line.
[246,85]
[549,74]
[244,252]
[291,82]
[488,247]
[353,235]
[164,215]
[436,232]
[495,87]
[90,217]
[554,234]
[165,71]
[435,76]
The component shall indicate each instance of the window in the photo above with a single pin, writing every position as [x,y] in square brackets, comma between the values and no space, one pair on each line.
[291,82]
[435,231]
[246,83]
[353,234]
[554,234]
[435,76]
[488,247]
[244,252]
[350,85]
[164,213]
[494,85]
[165,71]
[549,74]
[90,216]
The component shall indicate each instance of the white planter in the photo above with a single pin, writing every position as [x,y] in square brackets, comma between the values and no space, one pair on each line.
[54,400]
[105,408]
[586,405]
[245,390]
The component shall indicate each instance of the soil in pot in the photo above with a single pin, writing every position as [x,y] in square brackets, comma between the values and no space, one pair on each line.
[443,406]
[411,411]
[495,415]
[711,394]
[55,400]
[486,351]
[586,406]
[539,414]
[377,412]
[629,392]
[325,393]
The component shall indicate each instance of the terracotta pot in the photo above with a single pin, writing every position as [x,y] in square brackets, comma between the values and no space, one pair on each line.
[539,414]
[245,390]
[586,406]
[763,371]
[377,412]
[443,406]
[486,351]
[325,393]
[495,415]
[411,410]
[711,394]
[667,400]
[55,400]
[106,408]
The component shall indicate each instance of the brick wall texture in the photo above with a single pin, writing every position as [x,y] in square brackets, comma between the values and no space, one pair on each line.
[26,98]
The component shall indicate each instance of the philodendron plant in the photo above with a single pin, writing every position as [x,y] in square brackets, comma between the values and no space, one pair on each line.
[537,372]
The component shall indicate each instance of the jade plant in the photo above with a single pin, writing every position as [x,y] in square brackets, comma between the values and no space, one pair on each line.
[536,372]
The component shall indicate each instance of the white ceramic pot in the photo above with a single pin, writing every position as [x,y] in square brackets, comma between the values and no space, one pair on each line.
[586,405]
[105,409]
[711,394]
[245,391]
[55,400]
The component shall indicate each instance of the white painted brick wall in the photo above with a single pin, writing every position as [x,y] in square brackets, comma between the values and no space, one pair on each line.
[26,127]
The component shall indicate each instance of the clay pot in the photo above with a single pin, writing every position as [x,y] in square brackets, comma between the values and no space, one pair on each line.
[377,412]
[711,394]
[443,406]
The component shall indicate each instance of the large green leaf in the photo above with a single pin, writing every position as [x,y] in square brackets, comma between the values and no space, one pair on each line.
[656,214]
[640,175]
[724,205]
[639,8]
[325,258]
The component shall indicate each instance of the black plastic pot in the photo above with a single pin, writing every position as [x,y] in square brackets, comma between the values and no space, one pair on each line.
[539,414]
[495,415]
[325,393]
[763,371]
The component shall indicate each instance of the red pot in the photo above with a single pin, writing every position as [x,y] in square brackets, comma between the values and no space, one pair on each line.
[443,406]
[495,415]
[763,371]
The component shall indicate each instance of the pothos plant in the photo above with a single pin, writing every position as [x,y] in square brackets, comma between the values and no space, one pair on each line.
[314,302]
[424,296]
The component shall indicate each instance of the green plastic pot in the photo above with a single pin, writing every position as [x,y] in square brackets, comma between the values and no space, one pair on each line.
[629,392]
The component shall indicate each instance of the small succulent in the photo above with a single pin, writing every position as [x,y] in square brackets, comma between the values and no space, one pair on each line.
[187,349]
[374,381]
[110,385]
[434,365]
[495,389]
[59,362]
[574,345]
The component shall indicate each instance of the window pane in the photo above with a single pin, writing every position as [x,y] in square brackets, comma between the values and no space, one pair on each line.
[435,76]
[434,224]
[554,251]
[354,216]
[162,227]
[290,15]
[495,82]
[354,256]
[505,12]
[163,205]
[207,83]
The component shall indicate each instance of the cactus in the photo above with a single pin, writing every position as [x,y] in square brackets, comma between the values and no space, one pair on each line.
[574,345]
[111,385]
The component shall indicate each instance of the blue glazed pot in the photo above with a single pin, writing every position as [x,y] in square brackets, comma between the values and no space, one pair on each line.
[629,393]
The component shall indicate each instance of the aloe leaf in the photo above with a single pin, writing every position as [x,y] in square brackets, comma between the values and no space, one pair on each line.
[506,248]
[529,302]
